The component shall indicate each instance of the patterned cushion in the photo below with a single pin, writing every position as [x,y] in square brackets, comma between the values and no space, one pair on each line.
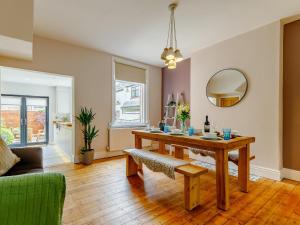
[7,158]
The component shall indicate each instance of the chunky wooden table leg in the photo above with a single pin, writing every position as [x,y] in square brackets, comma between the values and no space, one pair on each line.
[244,168]
[138,145]
[162,147]
[222,179]
[179,152]
[138,142]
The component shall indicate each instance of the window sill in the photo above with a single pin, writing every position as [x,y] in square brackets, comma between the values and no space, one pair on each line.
[112,126]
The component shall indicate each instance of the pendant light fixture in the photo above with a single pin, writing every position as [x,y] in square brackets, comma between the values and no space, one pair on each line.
[171,54]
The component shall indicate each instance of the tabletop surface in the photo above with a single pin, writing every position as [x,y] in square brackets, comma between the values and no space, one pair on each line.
[195,141]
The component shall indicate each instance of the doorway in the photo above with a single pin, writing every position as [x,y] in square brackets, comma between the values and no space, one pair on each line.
[37,109]
[26,117]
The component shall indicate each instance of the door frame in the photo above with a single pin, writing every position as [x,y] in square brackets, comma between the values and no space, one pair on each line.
[23,124]
[75,155]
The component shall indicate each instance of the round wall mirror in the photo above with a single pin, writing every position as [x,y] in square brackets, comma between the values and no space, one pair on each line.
[226,88]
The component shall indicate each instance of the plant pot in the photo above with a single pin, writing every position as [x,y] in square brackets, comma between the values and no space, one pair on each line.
[87,157]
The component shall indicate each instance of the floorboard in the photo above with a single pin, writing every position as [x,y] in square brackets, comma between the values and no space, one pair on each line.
[102,194]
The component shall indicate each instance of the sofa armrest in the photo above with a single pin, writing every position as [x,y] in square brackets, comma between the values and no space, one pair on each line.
[32,199]
[32,156]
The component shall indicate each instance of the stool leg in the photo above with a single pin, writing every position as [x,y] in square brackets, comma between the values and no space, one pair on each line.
[131,166]
[191,192]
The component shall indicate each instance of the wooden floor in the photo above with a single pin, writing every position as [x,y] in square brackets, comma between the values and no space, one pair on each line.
[54,155]
[101,194]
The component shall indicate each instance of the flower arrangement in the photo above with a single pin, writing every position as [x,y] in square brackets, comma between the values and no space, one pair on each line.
[183,114]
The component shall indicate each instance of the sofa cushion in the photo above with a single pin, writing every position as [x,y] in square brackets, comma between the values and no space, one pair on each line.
[13,171]
[7,158]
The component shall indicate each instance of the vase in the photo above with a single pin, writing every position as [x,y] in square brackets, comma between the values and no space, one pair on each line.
[183,126]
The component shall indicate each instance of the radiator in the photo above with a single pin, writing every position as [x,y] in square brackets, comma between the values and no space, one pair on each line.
[121,138]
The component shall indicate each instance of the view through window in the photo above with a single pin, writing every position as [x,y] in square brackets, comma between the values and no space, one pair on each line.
[129,103]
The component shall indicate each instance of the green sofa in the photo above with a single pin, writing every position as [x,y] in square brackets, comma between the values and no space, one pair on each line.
[32,199]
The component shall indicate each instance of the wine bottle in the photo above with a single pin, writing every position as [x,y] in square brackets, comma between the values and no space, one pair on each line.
[206,125]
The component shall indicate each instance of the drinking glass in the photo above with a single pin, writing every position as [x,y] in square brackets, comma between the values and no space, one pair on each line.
[191,131]
[166,129]
[227,133]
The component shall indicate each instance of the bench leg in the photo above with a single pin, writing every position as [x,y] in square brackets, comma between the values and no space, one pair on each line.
[131,166]
[191,192]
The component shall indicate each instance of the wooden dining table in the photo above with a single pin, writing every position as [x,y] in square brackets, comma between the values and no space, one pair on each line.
[219,147]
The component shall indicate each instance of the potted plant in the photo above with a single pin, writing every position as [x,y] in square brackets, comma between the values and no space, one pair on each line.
[89,132]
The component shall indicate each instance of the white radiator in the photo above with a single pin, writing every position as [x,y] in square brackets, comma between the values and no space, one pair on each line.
[121,138]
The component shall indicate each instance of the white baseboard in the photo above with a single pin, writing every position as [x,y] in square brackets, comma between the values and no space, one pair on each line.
[254,169]
[265,172]
[290,174]
[106,154]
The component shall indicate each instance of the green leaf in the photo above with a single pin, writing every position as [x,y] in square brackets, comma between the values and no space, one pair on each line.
[85,117]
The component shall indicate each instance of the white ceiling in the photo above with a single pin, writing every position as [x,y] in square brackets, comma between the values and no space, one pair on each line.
[32,77]
[137,29]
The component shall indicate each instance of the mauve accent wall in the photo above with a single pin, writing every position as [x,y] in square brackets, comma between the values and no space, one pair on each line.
[177,80]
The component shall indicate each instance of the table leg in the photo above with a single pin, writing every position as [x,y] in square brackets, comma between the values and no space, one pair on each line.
[138,142]
[161,147]
[179,152]
[244,168]
[222,179]
[138,145]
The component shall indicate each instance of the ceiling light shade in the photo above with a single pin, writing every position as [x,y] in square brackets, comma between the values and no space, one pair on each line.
[178,56]
[170,54]
[164,54]
[172,64]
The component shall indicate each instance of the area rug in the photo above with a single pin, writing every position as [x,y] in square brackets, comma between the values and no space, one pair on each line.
[232,172]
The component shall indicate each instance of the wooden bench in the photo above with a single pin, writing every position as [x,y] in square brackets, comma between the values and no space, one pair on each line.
[232,156]
[191,174]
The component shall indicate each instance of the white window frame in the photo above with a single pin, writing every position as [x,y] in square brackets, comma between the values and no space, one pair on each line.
[113,123]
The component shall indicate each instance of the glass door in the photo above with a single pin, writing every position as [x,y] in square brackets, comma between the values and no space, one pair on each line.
[24,120]
[11,111]
[37,120]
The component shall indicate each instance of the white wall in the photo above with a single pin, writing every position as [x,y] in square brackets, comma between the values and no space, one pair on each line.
[34,90]
[257,54]
[92,72]
[64,100]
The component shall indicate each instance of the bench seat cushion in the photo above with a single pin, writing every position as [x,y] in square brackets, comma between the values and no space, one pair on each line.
[156,162]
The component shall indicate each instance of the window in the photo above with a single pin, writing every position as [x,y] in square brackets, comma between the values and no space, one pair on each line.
[129,107]
[135,91]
